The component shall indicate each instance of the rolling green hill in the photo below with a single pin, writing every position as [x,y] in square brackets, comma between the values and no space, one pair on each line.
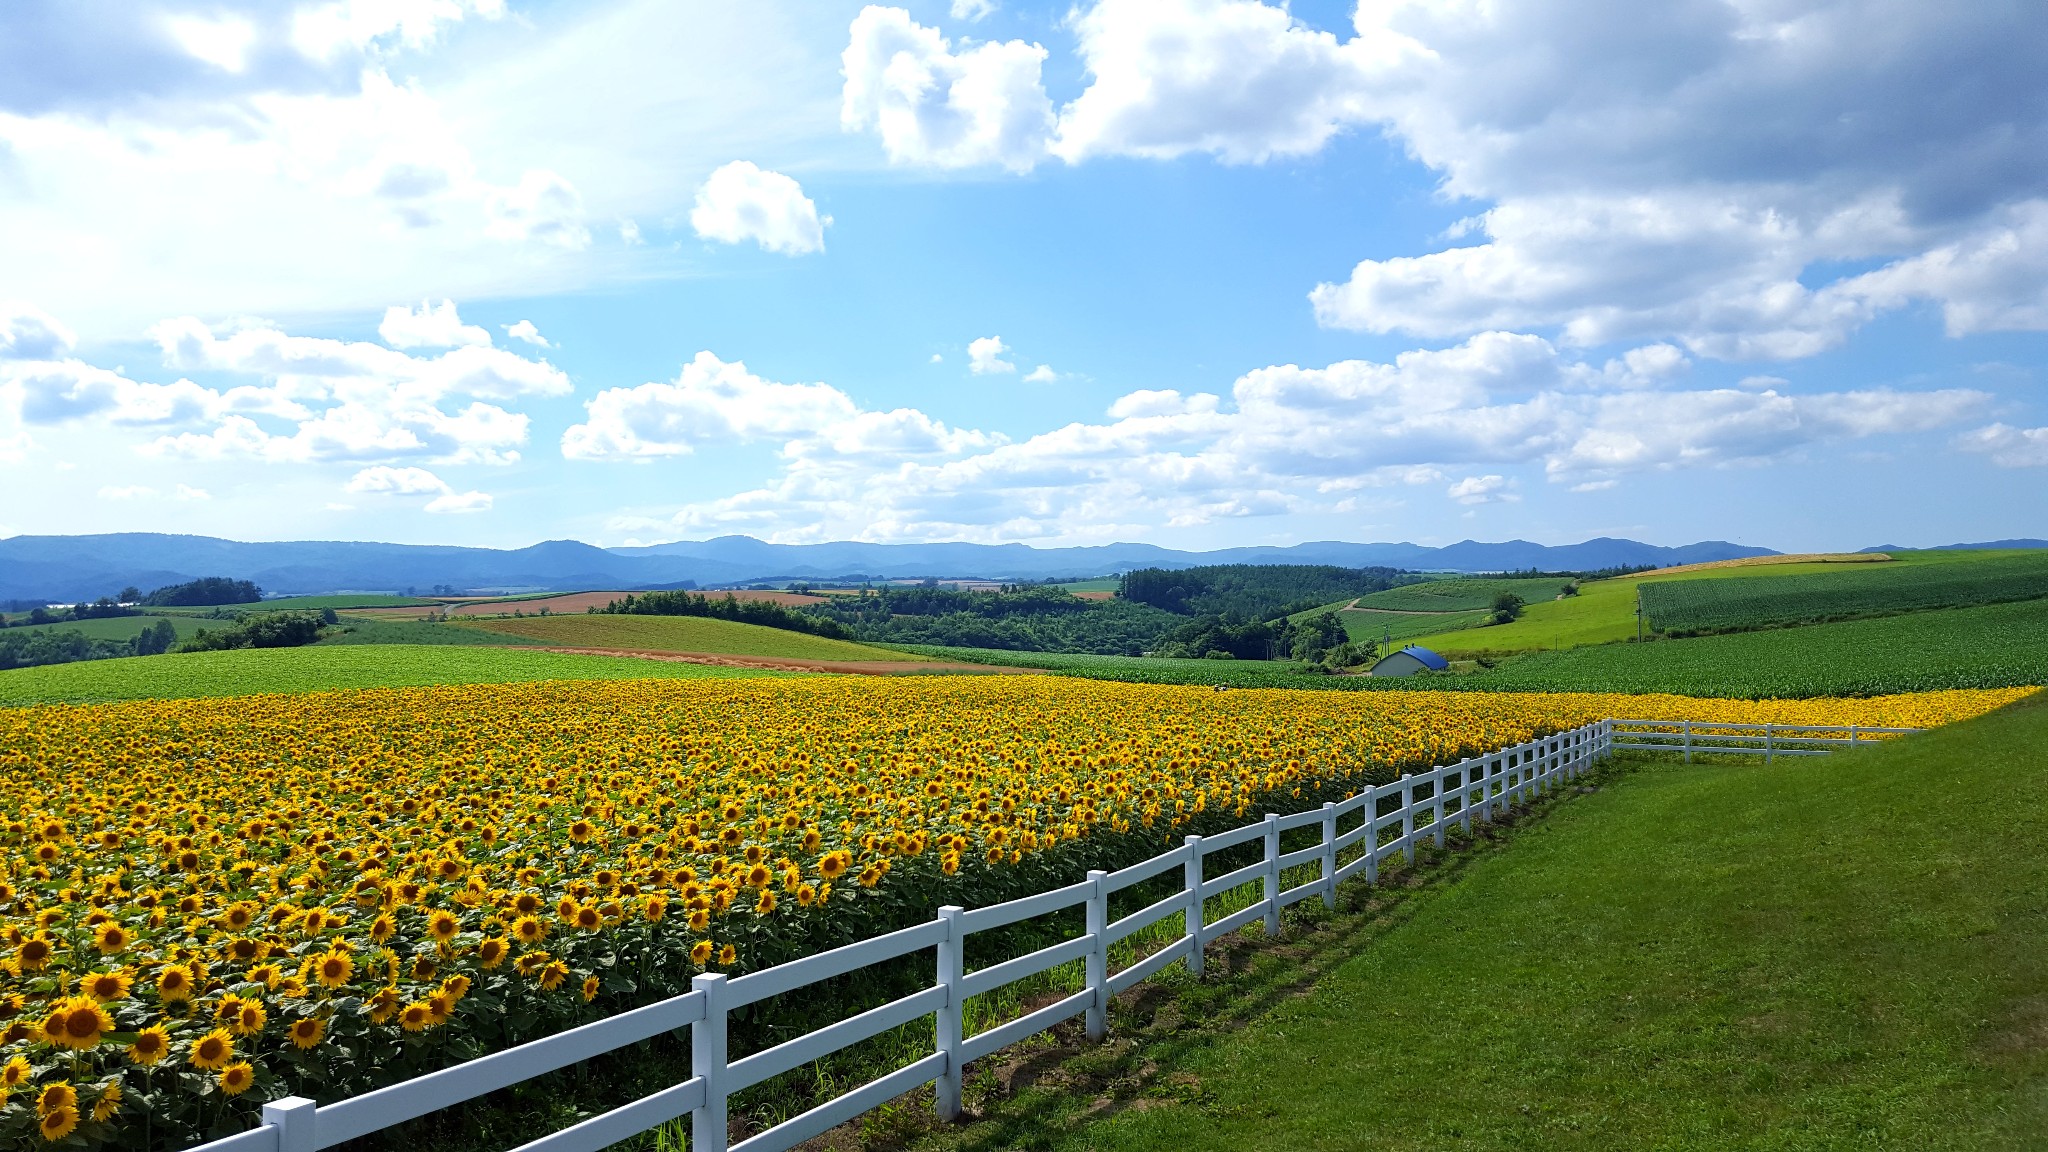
[309,603]
[680,634]
[317,668]
[1462,594]
[119,627]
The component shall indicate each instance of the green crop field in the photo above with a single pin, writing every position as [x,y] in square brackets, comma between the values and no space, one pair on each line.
[1692,607]
[681,634]
[365,630]
[1101,584]
[115,627]
[1994,646]
[1362,625]
[319,668]
[1462,594]
[1604,610]
[1846,953]
[307,603]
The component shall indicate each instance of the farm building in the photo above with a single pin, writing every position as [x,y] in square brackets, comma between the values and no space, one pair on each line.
[1408,661]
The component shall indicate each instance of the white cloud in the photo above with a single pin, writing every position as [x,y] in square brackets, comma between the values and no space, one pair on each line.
[542,206]
[741,202]
[1481,490]
[1692,194]
[1241,80]
[1290,439]
[985,356]
[223,43]
[29,334]
[127,492]
[937,358]
[187,492]
[629,232]
[384,480]
[985,104]
[338,400]
[525,331]
[321,30]
[2007,446]
[817,425]
[459,503]
[429,326]
[974,10]
[1043,374]
[1160,402]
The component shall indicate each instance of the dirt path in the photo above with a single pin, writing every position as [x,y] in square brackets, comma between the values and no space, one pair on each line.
[1353,607]
[783,664]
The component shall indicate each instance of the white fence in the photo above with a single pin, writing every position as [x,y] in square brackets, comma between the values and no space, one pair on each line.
[1428,803]
[1771,740]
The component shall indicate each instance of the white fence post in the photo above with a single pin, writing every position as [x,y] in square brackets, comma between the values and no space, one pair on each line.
[708,1127]
[1436,796]
[1852,735]
[1767,742]
[1098,955]
[293,1119]
[1330,856]
[1272,876]
[1688,741]
[951,964]
[1191,876]
[1408,817]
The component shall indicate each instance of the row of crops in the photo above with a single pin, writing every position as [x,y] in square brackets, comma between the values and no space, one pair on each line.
[207,903]
[1695,607]
[1461,594]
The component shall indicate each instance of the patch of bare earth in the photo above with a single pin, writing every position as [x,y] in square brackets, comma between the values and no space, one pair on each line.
[1762,561]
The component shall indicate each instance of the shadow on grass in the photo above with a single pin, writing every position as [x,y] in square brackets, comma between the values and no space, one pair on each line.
[1034,1096]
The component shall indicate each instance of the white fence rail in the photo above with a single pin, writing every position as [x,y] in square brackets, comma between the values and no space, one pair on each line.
[1426,804]
[1769,740]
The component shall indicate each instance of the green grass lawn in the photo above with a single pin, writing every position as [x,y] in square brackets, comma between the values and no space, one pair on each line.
[681,634]
[1099,584]
[319,667]
[1848,952]
[120,627]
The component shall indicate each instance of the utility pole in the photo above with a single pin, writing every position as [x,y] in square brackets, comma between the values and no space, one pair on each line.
[1639,617]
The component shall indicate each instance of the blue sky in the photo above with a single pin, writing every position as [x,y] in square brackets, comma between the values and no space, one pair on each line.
[1195,272]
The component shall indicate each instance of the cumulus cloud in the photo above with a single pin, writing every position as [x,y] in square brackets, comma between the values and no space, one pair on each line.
[712,400]
[741,202]
[2007,446]
[307,399]
[1691,194]
[1241,80]
[29,334]
[1290,439]
[384,480]
[429,326]
[972,10]
[985,356]
[1043,374]
[525,332]
[930,105]
[1481,490]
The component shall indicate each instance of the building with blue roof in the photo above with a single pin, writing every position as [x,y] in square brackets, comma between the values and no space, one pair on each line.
[1408,661]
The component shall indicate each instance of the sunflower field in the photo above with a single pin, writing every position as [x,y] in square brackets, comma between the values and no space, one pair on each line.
[209,903]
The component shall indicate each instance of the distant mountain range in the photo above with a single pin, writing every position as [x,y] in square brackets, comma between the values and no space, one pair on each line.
[71,568]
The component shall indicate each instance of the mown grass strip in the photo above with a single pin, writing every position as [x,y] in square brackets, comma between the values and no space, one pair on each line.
[1849,952]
